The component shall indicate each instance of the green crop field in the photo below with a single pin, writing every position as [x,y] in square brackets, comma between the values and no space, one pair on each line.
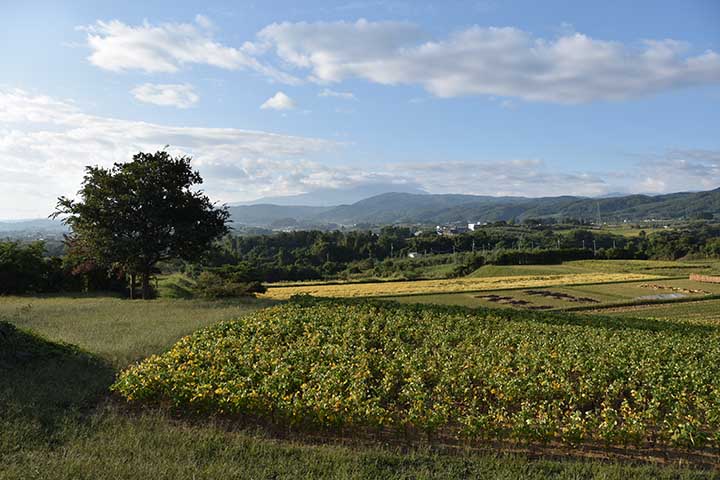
[696,312]
[489,375]
[657,267]
[58,420]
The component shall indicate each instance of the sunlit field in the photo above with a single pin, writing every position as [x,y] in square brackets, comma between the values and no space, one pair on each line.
[465,284]
[58,420]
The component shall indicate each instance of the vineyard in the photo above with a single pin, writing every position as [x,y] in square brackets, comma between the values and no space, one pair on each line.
[465,284]
[483,374]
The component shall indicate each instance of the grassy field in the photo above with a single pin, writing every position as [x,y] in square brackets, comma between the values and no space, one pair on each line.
[657,267]
[696,312]
[118,331]
[57,421]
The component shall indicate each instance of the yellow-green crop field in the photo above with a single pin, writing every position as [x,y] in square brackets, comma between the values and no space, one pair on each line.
[491,374]
[465,284]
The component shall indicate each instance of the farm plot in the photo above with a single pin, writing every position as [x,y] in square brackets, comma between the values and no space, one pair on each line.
[466,284]
[700,312]
[561,296]
[493,374]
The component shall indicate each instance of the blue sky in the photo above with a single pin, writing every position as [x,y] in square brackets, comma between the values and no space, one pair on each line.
[279,98]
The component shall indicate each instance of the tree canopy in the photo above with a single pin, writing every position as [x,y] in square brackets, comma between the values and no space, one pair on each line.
[135,214]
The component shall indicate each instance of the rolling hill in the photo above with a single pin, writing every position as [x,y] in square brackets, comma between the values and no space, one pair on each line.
[399,207]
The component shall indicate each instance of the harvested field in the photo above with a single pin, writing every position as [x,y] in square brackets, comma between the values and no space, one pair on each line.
[466,284]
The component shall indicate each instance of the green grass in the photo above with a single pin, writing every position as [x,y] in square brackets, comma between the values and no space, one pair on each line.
[659,267]
[153,445]
[175,285]
[119,331]
[707,312]
[57,421]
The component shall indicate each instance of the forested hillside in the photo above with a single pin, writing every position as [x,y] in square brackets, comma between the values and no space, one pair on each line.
[427,208]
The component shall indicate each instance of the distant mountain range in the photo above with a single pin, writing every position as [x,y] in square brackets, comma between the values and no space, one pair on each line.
[404,207]
[396,207]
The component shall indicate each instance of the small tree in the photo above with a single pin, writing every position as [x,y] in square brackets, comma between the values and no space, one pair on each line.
[135,214]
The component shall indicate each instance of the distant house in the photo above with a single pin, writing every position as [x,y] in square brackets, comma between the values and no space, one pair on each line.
[474,226]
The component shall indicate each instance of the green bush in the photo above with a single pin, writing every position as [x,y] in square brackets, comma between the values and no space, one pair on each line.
[212,285]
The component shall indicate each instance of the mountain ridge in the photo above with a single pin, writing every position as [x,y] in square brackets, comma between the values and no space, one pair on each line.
[401,207]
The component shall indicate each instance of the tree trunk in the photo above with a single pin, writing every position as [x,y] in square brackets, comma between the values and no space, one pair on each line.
[132,286]
[146,284]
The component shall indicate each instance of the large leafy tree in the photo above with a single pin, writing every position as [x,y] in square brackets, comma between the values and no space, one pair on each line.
[135,214]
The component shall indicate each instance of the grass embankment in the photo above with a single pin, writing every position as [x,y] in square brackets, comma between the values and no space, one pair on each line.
[487,374]
[119,331]
[56,421]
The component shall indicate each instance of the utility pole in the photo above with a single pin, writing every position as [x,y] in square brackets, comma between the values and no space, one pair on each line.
[594,248]
[473,246]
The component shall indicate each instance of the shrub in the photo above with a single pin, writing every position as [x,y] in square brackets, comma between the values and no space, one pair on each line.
[212,285]
[24,269]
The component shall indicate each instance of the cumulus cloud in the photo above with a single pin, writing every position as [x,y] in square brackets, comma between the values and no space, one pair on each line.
[479,60]
[326,92]
[507,61]
[279,101]
[45,143]
[166,95]
[167,47]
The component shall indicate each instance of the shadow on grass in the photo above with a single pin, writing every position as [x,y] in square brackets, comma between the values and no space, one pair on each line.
[45,387]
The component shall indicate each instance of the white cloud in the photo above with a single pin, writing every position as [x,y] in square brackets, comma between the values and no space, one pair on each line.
[332,93]
[204,21]
[45,144]
[166,95]
[502,61]
[279,101]
[167,47]
[508,62]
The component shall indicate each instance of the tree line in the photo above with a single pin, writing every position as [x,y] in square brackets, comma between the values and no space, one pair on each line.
[130,220]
